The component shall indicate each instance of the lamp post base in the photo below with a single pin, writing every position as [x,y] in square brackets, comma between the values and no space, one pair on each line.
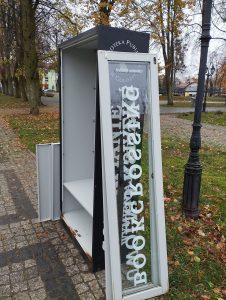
[191,190]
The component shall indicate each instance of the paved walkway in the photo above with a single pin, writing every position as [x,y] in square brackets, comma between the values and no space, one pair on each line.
[37,260]
[211,135]
[178,110]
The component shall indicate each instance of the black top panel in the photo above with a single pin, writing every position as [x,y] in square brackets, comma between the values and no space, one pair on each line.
[110,38]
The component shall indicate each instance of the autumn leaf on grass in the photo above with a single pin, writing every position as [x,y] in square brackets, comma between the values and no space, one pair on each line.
[217,290]
[174,218]
[167,199]
[197,259]
[176,263]
[220,245]
[188,242]
[205,297]
[180,229]
[201,233]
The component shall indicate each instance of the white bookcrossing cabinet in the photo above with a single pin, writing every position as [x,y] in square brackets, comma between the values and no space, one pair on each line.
[110,173]
[81,153]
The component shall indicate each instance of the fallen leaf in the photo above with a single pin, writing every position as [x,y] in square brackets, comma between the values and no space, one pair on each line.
[205,297]
[187,242]
[167,199]
[216,290]
[220,245]
[179,229]
[201,233]
[197,259]
[191,253]
[176,263]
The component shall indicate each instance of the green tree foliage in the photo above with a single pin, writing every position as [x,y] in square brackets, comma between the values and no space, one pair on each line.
[165,20]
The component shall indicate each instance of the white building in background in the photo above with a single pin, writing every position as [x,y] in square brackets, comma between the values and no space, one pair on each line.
[191,89]
[50,80]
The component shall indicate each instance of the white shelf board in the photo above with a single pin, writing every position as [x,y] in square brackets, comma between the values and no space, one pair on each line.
[80,225]
[82,191]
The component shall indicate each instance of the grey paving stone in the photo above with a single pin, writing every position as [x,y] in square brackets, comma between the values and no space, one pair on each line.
[81,288]
[56,241]
[83,267]
[35,283]
[4,280]
[72,270]
[93,285]
[76,279]
[4,270]
[16,277]
[29,263]
[87,296]
[38,295]
[5,290]
[19,287]
[99,295]
[31,272]
[17,267]
[68,261]
[88,276]
[75,252]
[22,296]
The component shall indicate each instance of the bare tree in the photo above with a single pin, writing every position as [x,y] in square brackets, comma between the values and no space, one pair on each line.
[30,59]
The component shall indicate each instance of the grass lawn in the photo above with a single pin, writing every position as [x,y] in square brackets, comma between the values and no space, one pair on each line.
[11,102]
[33,130]
[196,253]
[215,118]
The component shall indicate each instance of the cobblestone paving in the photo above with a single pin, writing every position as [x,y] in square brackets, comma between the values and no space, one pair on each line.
[37,260]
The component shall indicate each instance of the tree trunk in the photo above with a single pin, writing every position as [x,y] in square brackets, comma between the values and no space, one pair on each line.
[34,94]
[16,88]
[10,86]
[30,54]
[169,83]
[3,86]
[22,84]
[6,87]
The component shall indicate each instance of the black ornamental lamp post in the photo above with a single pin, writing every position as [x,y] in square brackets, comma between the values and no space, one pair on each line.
[209,72]
[193,168]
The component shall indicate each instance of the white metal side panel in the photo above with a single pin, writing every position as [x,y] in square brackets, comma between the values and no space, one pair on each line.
[56,181]
[48,177]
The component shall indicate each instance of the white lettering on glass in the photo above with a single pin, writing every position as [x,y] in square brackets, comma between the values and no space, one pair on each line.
[133,223]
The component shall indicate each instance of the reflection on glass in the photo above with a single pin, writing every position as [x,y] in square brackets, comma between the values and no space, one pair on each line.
[129,108]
